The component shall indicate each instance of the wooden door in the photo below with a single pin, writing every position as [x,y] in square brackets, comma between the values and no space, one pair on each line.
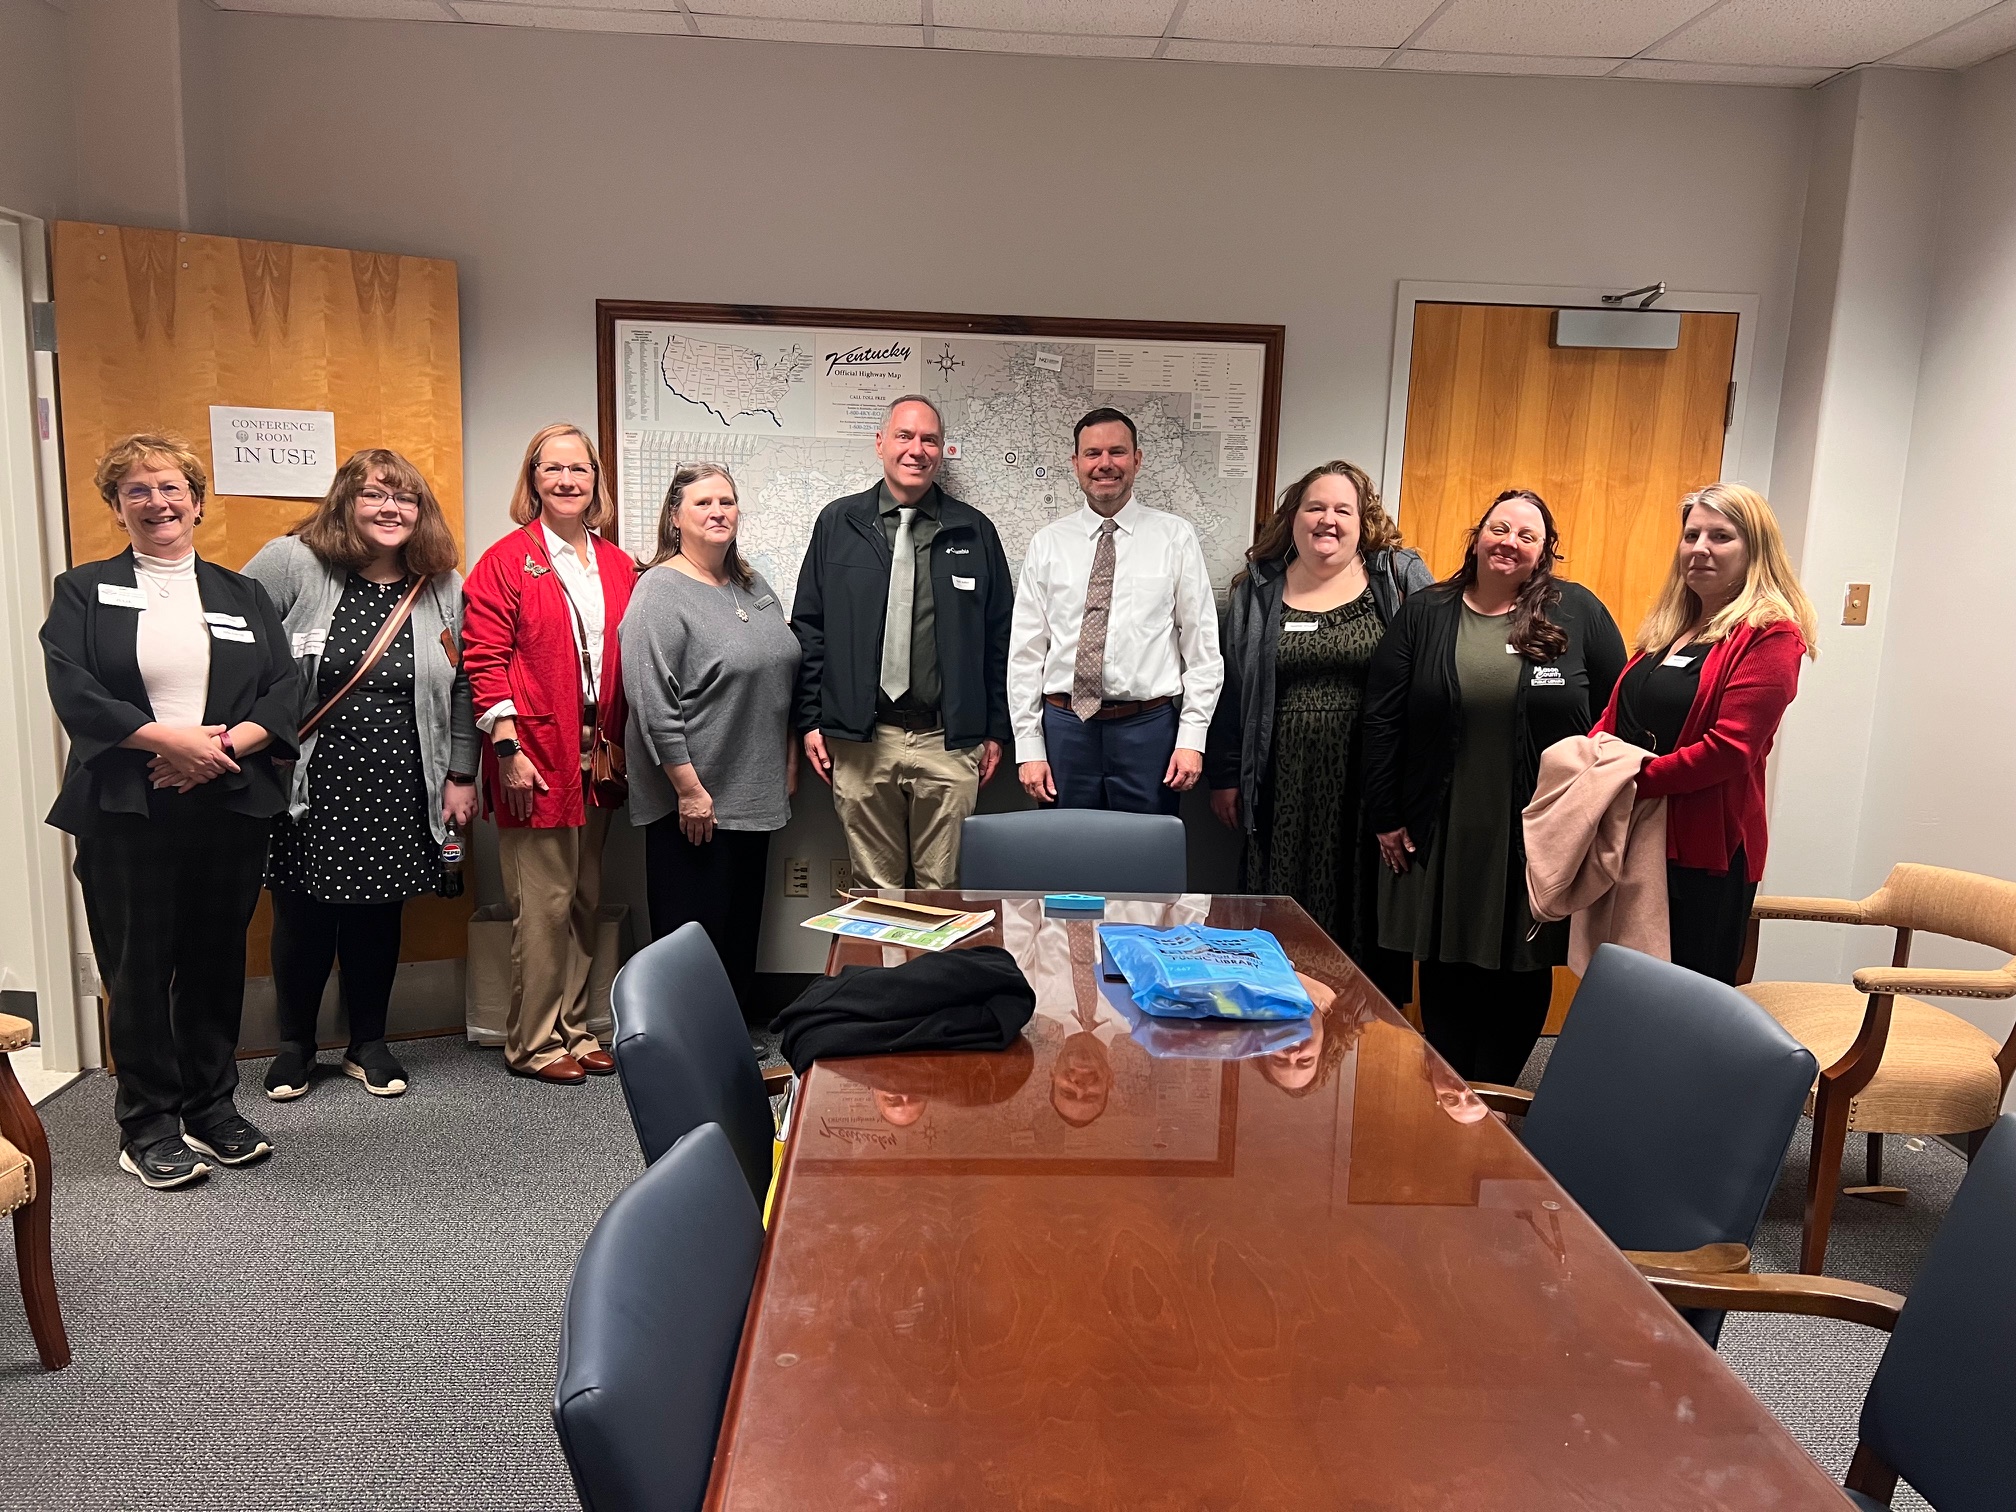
[1610,438]
[154,327]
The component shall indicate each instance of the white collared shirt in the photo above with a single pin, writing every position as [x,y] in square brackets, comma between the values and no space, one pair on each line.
[581,581]
[1161,634]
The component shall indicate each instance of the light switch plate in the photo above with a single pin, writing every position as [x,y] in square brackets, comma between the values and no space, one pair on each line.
[1855,609]
[797,877]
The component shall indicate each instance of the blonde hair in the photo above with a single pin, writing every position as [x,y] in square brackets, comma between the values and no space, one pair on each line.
[525,498]
[131,452]
[1770,591]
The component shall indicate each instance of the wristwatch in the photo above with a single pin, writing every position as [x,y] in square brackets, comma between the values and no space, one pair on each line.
[461,779]
[505,749]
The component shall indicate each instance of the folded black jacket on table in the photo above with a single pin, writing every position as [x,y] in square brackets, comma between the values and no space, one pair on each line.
[974,999]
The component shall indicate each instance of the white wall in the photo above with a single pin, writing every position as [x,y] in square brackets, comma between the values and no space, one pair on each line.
[1942,770]
[37,136]
[557,168]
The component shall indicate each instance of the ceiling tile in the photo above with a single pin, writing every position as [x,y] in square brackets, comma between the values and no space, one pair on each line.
[1813,33]
[1262,52]
[356,10]
[1989,34]
[881,12]
[1043,42]
[571,18]
[809,31]
[1722,73]
[1559,28]
[1110,18]
[1422,61]
[1334,23]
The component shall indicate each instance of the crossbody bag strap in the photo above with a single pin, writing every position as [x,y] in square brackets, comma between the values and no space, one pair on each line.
[591,696]
[380,644]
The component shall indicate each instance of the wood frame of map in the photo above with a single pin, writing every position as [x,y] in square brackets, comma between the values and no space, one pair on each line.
[1269,340]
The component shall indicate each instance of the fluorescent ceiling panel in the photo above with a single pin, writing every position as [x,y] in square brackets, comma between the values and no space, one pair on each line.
[1988,35]
[572,18]
[1194,51]
[758,29]
[1812,33]
[1557,28]
[1047,43]
[1329,23]
[1721,73]
[1111,18]
[873,12]
[1418,60]
[356,10]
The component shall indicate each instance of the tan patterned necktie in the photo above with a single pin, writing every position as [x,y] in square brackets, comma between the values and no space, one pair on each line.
[1088,672]
[1084,941]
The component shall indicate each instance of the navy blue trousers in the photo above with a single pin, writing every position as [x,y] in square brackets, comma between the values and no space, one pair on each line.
[1112,763]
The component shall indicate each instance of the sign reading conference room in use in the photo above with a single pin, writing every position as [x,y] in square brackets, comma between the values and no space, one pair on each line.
[272,453]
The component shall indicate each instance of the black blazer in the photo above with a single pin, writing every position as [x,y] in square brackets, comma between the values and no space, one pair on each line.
[843,595]
[1414,711]
[91,651]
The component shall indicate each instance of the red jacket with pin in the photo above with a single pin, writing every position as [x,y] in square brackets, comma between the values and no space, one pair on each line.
[1713,780]
[519,642]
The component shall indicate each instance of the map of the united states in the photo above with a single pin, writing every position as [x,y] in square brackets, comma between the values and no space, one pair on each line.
[731,381]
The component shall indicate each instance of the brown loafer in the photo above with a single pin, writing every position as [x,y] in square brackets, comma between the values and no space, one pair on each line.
[565,1072]
[596,1062]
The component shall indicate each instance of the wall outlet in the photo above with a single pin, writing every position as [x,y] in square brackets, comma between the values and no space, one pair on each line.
[797,877]
[1855,608]
[843,876]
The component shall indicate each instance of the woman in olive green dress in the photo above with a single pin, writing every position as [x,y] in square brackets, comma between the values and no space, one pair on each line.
[1326,576]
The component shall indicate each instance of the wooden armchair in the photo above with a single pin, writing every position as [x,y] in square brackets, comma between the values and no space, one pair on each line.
[24,1191]
[1892,1064]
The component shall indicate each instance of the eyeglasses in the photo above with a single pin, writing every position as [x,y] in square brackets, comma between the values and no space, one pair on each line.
[374,498]
[565,469]
[140,493]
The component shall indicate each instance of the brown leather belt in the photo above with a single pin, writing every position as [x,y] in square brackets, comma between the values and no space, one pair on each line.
[1111,710]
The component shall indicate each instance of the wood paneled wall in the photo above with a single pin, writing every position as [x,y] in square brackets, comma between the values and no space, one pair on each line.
[154,327]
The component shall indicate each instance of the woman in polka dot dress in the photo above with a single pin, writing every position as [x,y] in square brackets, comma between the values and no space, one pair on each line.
[386,772]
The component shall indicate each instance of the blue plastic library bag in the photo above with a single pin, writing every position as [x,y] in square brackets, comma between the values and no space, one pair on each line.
[1194,971]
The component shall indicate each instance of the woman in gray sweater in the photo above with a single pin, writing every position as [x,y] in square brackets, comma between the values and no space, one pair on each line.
[709,663]
[385,773]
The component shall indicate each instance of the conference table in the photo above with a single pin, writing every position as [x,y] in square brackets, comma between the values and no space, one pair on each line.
[1134,1264]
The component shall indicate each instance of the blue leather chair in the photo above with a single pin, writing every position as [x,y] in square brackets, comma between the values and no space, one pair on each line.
[654,1318]
[1937,1412]
[683,1054]
[1666,1110]
[1073,850]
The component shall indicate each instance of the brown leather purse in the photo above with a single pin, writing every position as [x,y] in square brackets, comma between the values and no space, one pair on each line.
[608,774]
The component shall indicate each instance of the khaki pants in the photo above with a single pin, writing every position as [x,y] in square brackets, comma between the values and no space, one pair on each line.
[553,882]
[901,798]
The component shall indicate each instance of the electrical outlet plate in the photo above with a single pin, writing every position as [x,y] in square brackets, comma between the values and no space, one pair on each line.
[1855,609]
[843,876]
[797,878]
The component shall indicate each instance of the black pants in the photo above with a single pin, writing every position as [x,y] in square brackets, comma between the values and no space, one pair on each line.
[1708,917]
[309,936]
[1484,1023]
[720,884]
[168,899]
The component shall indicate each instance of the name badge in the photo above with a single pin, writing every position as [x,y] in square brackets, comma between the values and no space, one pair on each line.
[965,585]
[1548,677]
[309,642]
[1311,626]
[1676,660]
[766,601]
[225,632]
[1510,649]
[122,598]
[225,619]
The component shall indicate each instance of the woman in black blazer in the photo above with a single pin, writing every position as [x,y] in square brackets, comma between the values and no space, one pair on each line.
[172,677]
[1476,677]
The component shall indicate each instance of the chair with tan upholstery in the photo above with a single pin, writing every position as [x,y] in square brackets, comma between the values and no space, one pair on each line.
[1892,1064]
[24,1192]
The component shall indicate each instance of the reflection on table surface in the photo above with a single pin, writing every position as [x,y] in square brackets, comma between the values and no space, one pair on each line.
[1093,1273]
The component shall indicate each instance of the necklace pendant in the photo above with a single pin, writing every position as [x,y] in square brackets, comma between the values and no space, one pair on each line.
[742,614]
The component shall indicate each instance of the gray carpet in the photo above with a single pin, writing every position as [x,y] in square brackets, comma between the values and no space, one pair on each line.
[370,1320]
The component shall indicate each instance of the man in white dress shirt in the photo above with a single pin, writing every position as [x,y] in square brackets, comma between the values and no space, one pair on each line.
[1113,665]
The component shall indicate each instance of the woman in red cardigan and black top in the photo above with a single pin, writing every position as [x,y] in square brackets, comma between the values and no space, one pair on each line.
[1716,663]
[540,646]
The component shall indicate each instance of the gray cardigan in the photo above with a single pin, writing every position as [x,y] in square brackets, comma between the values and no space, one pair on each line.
[305,589]
[1242,728]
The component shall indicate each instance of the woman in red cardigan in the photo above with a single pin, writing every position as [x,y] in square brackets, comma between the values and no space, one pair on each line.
[540,646]
[1716,663]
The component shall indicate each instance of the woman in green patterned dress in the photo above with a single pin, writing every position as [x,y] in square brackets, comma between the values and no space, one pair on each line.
[1325,577]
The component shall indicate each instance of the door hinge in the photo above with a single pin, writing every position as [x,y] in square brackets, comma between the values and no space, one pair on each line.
[42,326]
[1729,406]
